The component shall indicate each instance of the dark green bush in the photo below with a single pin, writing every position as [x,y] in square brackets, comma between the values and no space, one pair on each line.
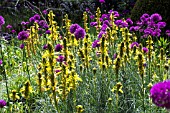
[150,7]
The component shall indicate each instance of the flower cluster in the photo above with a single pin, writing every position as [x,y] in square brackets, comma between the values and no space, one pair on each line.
[160,94]
[78,31]
[149,25]
[23,35]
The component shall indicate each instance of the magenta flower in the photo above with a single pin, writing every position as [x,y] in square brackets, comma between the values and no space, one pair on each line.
[60,58]
[2,21]
[22,46]
[155,17]
[145,50]
[95,44]
[23,35]
[32,19]
[129,21]
[36,17]
[57,71]
[168,32]
[74,27]
[45,12]
[104,27]
[13,31]
[0,62]
[80,33]
[8,26]
[92,24]
[102,1]
[48,32]
[2,103]
[45,46]
[42,23]
[160,94]
[134,44]
[92,16]
[23,23]
[161,24]
[58,47]
[101,34]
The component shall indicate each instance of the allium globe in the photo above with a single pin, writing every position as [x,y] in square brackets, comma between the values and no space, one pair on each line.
[80,33]
[160,94]
[23,35]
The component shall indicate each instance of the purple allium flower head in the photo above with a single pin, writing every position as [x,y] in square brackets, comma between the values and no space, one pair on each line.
[134,44]
[0,62]
[134,28]
[156,34]
[92,24]
[80,33]
[13,31]
[87,9]
[106,22]
[92,16]
[57,70]
[45,46]
[74,27]
[42,23]
[60,58]
[58,47]
[161,24]
[168,32]
[160,94]
[22,46]
[148,31]
[144,17]
[37,17]
[2,103]
[104,27]
[145,50]
[129,21]
[102,1]
[45,12]
[104,16]
[101,34]
[118,22]
[23,23]
[32,19]
[155,17]
[95,44]
[2,21]
[23,35]
[8,26]
[48,32]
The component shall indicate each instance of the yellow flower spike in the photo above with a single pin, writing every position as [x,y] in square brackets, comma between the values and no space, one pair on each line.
[51,17]
[14,95]
[98,14]
[150,86]
[85,21]
[140,63]
[166,66]
[79,109]
[118,88]
[26,90]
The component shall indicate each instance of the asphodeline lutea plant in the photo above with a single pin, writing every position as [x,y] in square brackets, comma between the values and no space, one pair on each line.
[14,95]
[85,18]
[98,14]
[117,89]
[26,90]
